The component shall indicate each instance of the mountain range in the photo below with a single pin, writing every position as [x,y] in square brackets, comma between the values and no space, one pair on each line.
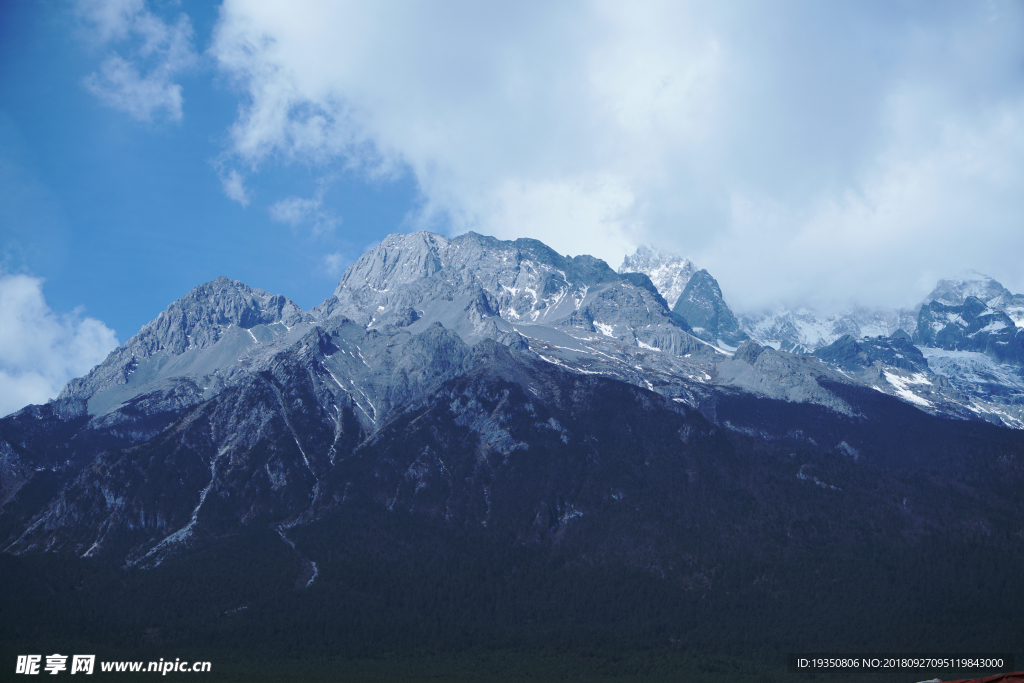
[472,424]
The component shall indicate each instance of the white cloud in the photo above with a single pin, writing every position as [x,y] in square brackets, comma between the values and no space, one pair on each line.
[112,19]
[334,263]
[293,210]
[296,211]
[796,150]
[164,48]
[569,214]
[234,187]
[40,350]
[120,85]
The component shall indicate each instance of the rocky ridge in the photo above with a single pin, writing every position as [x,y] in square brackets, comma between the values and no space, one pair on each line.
[963,318]
[235,406]
[702,306]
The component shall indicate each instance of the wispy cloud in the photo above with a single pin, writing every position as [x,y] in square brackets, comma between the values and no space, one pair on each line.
[334,263]
[234,187]
[40,350]
[794,150]
[141,84]
[111,19]
[121,86]
[298,211]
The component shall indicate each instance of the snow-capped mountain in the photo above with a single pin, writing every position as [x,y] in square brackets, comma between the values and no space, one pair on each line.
[481,287]
[574,312]
[669,272]
[971,326]
[191,349]
[273,398]
[955,290]
[692,294]
[803,330]
[544,412]
[797,330]
[941,322]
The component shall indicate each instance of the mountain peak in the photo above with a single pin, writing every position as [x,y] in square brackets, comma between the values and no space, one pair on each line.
[191,327]
[398,259]
[967,283]
[196,318]
[668,271]
[702,306]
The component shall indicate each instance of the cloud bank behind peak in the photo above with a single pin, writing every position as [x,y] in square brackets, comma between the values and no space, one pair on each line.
[797,151]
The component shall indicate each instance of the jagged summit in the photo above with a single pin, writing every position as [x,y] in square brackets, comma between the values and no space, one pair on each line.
[482,287]
[204,333]
[197,319]
[519,280]
[702,306]
[571,311]
[398,259]
[804,330]
[668,271]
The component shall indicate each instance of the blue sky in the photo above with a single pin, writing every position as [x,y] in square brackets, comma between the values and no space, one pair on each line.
[122,216]
[827,153]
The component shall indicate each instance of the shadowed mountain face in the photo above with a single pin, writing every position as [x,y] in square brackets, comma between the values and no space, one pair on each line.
[971,326]
[545,423]
[896,351]
[702,306]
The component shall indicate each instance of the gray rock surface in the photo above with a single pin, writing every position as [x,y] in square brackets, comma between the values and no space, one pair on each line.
[480,288]
[702,306]
[853,354]
[783,376]
[192,348]
[971,326]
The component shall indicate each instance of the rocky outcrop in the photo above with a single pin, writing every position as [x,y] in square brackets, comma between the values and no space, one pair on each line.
[971,326]
[856,354]
[702,306]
